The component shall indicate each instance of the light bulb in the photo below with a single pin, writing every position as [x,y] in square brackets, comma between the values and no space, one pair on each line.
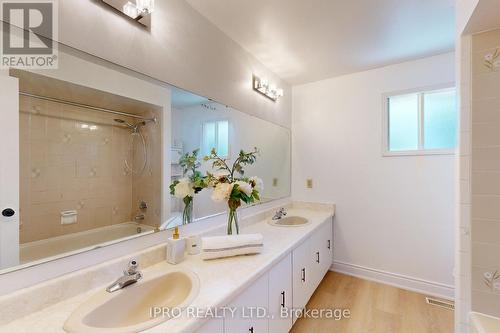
[130,10]
[145,6]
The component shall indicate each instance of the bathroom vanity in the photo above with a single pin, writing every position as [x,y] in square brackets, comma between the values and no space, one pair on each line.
[286,273]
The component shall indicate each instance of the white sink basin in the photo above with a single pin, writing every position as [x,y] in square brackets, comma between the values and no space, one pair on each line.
[290,221]
[129,309]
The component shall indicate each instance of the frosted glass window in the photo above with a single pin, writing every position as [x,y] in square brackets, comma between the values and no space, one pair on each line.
[209,138]
[440,120]
[403,122]
[216,135]
[223,138]
[422,122]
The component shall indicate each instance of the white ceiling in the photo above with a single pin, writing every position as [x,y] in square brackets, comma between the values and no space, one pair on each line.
[309,40]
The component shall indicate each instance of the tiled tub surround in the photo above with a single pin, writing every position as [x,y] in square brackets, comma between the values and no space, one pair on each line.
[485,180]
[73,159]
[44,308]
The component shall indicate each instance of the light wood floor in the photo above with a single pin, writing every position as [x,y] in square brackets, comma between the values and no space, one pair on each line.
[374,308]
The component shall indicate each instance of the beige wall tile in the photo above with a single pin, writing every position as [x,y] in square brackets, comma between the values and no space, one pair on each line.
[478,278]
[486,40]
[485,85]
[486,231]
[486,302]
[486,159]
[485,207]
[485,134]
[485,254]
[487,110]
[486,182]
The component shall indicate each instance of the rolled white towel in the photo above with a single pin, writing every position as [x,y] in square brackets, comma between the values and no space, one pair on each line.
[230,246]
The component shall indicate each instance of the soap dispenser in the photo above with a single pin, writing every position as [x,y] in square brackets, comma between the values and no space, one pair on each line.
[176,247]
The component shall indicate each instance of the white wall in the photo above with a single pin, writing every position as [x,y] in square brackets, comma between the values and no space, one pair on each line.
[9,170]
[182,48]
[395,215]
[463,12]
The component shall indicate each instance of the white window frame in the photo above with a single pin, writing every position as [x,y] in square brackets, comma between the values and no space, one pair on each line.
[217,134]
[386,152]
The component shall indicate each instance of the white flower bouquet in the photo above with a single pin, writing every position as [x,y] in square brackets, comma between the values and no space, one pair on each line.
[228,187]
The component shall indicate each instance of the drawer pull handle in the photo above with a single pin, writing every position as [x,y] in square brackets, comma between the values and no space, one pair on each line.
[317,260]
[283,299]
[303,275]
[329,244]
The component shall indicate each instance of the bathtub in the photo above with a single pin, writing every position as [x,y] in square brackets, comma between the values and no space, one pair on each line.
[481,323]
[80,241]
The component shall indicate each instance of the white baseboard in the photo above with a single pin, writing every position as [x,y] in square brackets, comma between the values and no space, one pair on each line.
[397,280]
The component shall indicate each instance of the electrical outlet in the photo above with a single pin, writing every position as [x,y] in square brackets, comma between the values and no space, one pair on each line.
[275,182]
[309,183]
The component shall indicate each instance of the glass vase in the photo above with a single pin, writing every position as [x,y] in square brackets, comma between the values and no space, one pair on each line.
[232,221]
[187,213]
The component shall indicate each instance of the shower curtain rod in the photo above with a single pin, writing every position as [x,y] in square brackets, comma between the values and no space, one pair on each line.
[86,106]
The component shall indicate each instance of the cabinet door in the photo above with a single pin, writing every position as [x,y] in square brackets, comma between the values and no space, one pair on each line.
[301,262]
[316,259]
[321,253]
[327,246]
[245,319]
[280,295]
[212,326]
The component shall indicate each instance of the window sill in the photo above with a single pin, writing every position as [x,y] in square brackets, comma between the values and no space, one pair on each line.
[419,152]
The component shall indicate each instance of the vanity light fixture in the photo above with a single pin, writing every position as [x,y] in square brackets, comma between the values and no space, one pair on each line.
[138,10]
[263,87]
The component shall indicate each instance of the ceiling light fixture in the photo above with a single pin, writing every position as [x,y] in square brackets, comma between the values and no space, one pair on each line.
[263,87]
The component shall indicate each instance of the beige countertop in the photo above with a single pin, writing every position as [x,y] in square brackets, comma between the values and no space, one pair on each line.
[221,279]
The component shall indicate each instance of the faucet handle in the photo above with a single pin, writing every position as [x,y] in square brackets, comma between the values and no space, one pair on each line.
[132,267]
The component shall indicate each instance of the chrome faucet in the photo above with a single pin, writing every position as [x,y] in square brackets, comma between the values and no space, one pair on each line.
[279,214]
[139,217]
[130,276]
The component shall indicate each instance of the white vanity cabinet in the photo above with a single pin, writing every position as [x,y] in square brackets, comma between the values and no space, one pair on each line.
[301,274]
[288,284]
[280,295]
[311,260]
[212,326]
[253,298]
[321,253]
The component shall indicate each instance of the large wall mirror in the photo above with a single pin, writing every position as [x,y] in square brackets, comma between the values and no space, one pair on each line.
[99,146]
[201,124]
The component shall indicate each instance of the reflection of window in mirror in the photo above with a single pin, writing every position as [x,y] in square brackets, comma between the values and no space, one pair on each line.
[215,134]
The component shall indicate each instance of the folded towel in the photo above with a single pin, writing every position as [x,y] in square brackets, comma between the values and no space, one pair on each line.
[230,246]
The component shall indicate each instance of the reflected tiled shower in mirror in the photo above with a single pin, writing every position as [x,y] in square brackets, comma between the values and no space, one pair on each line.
[86,176]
